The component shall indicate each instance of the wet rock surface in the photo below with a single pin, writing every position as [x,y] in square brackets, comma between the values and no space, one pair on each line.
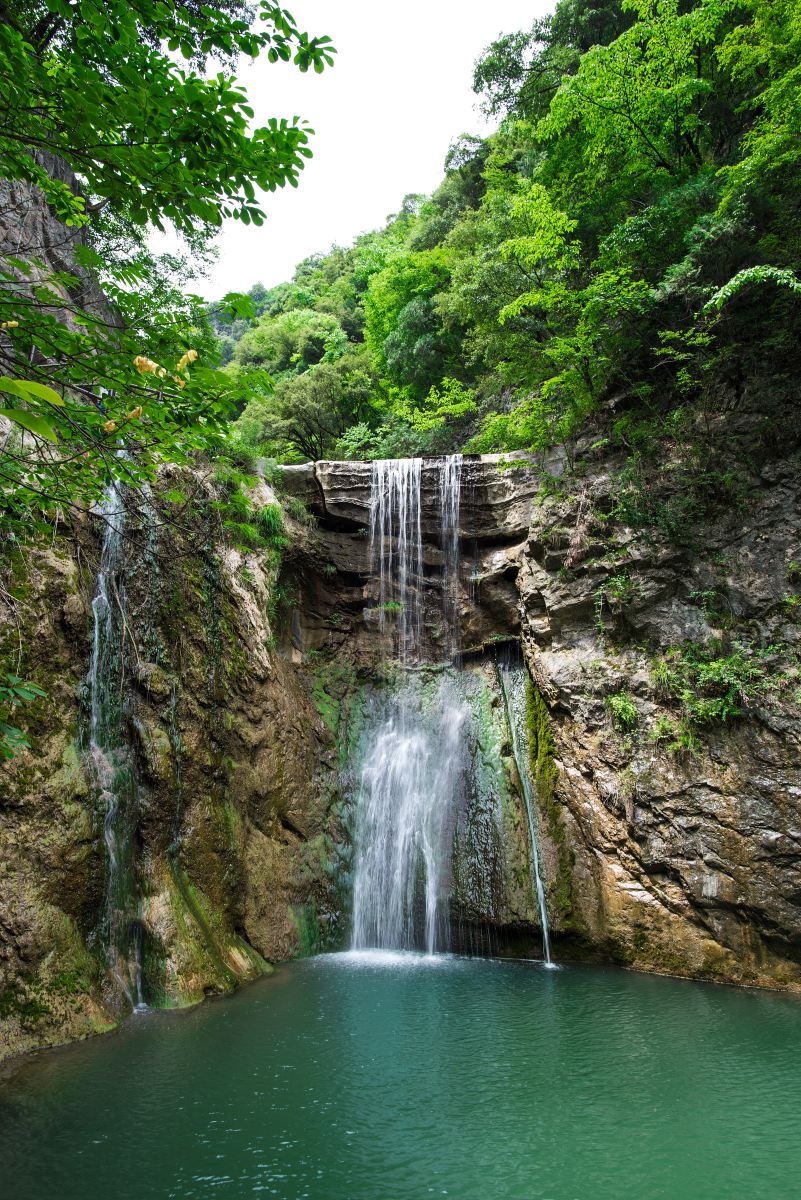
[661,858]
[234,783]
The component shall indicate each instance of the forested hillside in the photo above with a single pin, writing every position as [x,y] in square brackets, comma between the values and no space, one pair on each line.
[620,257]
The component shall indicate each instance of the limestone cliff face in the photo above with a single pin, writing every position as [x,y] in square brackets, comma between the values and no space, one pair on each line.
[497,495]
[233,779]
[686,861]
[680,858]
[241,715]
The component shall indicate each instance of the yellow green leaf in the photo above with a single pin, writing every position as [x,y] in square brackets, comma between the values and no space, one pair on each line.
[29,421]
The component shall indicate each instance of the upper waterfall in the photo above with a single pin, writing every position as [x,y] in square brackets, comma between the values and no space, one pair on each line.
[396,547]
[396,550]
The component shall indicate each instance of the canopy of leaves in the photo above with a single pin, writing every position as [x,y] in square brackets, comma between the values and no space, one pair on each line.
[112,88]
[291,342]
[112,116]
[629,236]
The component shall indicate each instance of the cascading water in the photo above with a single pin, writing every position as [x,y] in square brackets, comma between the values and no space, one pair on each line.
[396,547]
[450,477]
[112,765]
[404,832]
[512,676]
[423,799]
[415,761]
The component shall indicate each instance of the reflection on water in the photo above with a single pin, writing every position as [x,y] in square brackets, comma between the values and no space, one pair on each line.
[383,1075]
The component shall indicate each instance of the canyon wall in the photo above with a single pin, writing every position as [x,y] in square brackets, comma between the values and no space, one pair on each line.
[242,692]
[234,776]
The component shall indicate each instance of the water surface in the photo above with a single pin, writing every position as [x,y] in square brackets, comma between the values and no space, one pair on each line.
[385,1076]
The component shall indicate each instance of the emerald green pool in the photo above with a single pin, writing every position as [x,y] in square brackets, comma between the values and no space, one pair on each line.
[382,1076]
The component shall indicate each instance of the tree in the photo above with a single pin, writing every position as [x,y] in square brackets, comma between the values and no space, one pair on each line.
[107,117]
[96,84]
[644,103]
[520,73]
[308,412]
[291,342]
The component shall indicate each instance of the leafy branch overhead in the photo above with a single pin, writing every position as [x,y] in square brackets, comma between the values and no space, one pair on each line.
[115,91]
[114,116]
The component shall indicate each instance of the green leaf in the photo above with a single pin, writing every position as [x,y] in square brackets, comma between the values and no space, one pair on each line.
[12,387]
[29,421]
[42,392]
[238,304]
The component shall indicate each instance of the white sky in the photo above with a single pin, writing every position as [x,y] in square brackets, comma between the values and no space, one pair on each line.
[384,116]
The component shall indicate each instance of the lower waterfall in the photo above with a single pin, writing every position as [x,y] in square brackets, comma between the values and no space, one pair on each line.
[409,782]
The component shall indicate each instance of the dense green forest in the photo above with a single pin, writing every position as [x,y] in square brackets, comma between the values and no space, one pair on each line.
[620,256]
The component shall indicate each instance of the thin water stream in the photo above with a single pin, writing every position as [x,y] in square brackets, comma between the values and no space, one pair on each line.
[513,676]
[122,932]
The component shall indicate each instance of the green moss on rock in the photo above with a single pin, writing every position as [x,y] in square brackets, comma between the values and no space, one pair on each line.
[545,775]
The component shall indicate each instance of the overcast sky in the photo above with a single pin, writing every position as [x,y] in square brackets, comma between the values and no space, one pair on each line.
[383,117]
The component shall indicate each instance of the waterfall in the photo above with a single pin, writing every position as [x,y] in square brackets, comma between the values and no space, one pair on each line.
[512,676]
[112,765]
[418,771]
[396,547]
[415,762]
[412,771]
[450,478]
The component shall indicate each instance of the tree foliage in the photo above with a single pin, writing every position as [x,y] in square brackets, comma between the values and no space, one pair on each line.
[628,236]
[112,115]
[114,90]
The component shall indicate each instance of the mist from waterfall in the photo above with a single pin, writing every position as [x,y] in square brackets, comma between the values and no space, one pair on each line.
[113,768]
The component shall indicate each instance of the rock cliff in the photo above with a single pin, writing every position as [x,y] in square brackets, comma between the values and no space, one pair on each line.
[671,823]
[663,729]
[232,767]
